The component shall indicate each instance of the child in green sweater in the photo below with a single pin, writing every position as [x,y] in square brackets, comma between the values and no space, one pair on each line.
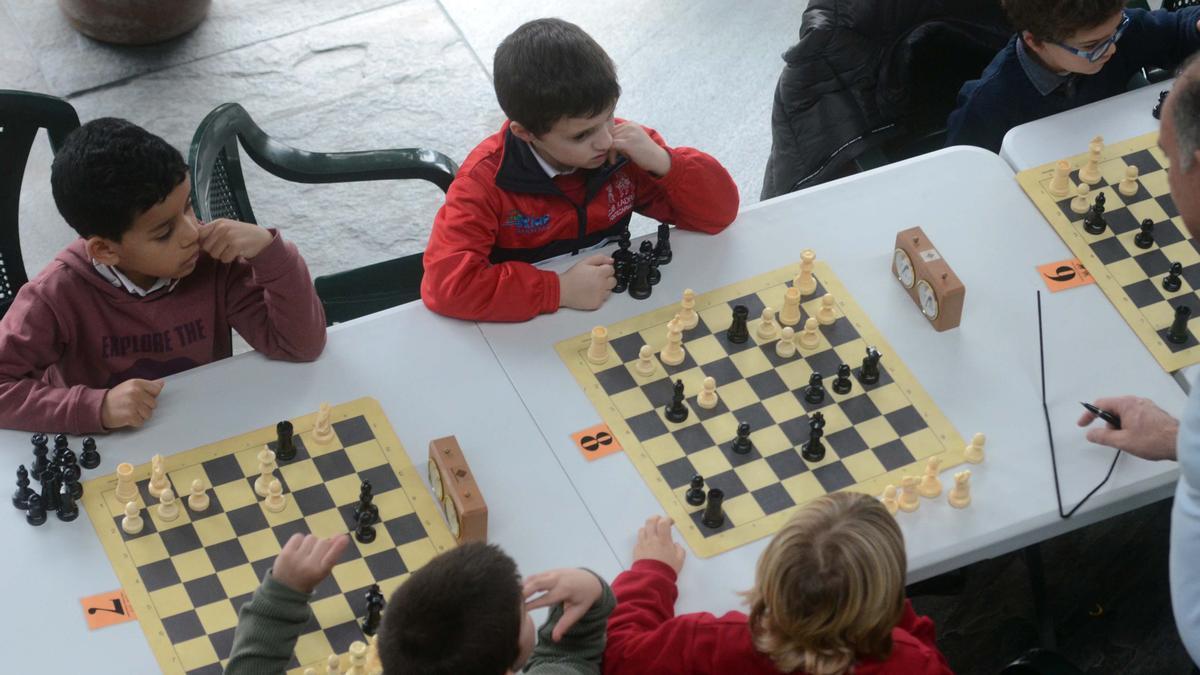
[465,612]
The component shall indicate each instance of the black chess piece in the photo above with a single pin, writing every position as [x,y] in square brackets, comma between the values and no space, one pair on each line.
[90,457]
[365,533]
[1093,222]
[870,367]
[695,493]
[714,515]
[51,483]
[662,248]
[20,498]
[1172,281]
[70,474]
[842,384]
[375,603]
[61,442]
[36,515]
[623,253]
[1157,112]
[654,276]
[1145,238]
[639,285]
[676,411]
[814,449]
[742,444]
[67,509]
[621,275]
[285,450]
[739,332]
[815,391]
[366,503]
[40,450]
[1178,332]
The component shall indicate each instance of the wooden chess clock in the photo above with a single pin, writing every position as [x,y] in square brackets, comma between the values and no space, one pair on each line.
[928,279]
[455,490]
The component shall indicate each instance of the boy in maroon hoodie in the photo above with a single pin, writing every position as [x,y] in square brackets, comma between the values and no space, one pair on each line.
[562,175]
[828,599]
[145,292]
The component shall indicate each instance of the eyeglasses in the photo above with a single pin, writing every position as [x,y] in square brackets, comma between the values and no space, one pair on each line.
[1096,53]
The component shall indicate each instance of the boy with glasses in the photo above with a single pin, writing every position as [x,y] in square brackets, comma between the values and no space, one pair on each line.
[1066,53]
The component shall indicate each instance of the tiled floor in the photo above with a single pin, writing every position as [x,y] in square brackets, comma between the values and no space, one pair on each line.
[362,74]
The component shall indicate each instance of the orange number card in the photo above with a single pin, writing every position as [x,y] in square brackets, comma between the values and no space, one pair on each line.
[107,609]
[1059,276]
[596,442]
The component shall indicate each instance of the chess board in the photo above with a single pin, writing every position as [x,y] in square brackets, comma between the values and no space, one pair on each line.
[873,434]
[187,579]
[1131,277]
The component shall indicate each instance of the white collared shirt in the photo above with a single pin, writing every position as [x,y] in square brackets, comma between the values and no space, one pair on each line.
[115,277]
[550,171]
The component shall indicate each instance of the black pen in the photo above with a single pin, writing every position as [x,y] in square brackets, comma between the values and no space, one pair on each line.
[1112,419]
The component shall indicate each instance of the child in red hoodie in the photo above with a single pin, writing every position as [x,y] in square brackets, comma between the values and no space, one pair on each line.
[145,292]
[828,599]
[561,176]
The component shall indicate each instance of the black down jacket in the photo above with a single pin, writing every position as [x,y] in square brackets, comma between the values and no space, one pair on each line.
[867,73]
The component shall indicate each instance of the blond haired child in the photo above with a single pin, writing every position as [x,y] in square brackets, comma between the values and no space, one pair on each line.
[828,599]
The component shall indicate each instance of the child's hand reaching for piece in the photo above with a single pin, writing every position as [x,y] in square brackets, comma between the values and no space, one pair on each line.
[631,140]
[654,542]
[587,284]
[306,560]
[576,589]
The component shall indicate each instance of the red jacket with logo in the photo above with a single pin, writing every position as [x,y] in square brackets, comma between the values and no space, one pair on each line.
[503,213]
[645,636]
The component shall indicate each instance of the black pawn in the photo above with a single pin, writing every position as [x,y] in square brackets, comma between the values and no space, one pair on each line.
[814,449]
[365,533]
[662,248]
[815,391]
[623,253]
[870,367]
[286,442]
[51,483]
[61,445]
[36,515]
[676,411]
[742,444]
[842,384]
[90,457]
[1178,333]
[67,510]
[739,332]
[21,497]
[1157,112]
[654,276]
[1145,238]
[714,515]
[1094,222]
[695,493]
[375,602]
[40,451]
[1172,282]
[621,275]
[71,473]
[639,285]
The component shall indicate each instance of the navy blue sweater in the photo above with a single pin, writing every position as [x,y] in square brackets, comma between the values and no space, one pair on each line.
[1004,97]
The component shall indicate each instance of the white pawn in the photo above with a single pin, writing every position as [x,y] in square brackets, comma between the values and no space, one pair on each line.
[598,349]
[158,477]
[168,508]
[805,281]
[930,486]
[673,354]
[198,499]
[687,313]
[707,398]
[1060,185]
[1080,203]
[1129,184]
[889,499]
[960,494]
[266,469]
[974,451]
[810,338]
[645,363]
[827,315]
[275,501]
[333,665]
[768,329]
[310,671]
[323,429]
[790,314]
[909,498]
[126,487]
[786,347]
[132,523]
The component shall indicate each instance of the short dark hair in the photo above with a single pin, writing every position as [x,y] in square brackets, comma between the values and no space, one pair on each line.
[1057,20]
[549,69]
[110,171]
[460,614]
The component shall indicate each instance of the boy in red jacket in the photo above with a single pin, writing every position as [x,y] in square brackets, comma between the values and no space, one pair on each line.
[828,599]
[562,175]
[145,292]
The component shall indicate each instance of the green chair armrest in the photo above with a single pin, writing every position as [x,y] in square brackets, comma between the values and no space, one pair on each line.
[390,283]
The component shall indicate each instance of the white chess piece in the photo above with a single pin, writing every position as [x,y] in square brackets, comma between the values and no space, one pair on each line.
[266,470]
[790,314]
[786,347]
[1080,203]
[1129,184]
[158,477]
[645,364]
[931,486]
[275,501]
[323,429]
[909,499]
[810,338]
[805,280]
[974,450]
[168,508]
[1060,185]
[132,523]
[333,665]
[198,500]
[673,353]
[768,329]
[827,314]
[687,313]
[960,494]
[1090,173]
[358,658]
[889,499]
[707,398]
[126,487]
[597,353]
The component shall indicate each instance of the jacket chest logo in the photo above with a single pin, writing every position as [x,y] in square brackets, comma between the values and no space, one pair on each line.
[620,197]
[523,224]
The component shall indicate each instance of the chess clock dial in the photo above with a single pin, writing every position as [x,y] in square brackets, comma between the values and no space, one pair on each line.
[435,481]
[927,299]
[904,268]
[451,515]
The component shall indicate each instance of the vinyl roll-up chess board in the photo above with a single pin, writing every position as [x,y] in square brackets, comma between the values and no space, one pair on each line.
[874,434]
[188,578]
[1131,276]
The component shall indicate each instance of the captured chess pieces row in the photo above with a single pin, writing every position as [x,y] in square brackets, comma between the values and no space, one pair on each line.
[912,488]
[58,476]
[638,272]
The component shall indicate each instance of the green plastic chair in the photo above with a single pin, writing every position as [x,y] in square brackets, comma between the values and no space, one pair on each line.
[22,114]
[219,191]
